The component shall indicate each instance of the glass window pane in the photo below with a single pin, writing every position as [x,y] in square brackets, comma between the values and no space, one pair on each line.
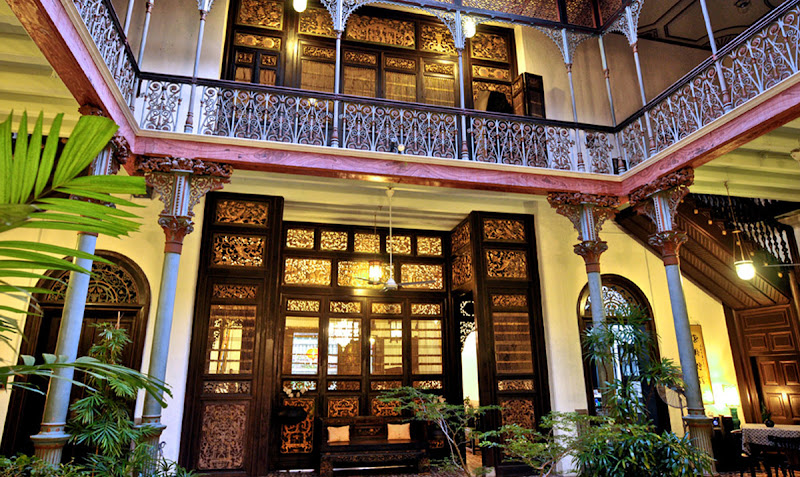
[386,347]
[231,336]
[512,343]
[426,347]
[344,346]
[301,345]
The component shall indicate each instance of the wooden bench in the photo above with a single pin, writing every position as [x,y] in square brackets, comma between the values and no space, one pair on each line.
[369,446]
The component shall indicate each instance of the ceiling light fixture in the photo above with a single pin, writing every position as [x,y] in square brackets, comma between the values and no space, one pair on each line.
[742,263]
[300,5]
[470,27]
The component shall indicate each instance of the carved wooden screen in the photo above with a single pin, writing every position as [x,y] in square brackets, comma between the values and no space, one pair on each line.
[344,341]
[494,257]
[224,401]
[385,53]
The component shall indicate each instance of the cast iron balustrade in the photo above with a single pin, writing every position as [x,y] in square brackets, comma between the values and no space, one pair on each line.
[760,58]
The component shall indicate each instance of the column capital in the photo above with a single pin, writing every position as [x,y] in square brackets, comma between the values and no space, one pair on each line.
[659,199]
[680,179]
[181,183]
[669,242]
[591,250]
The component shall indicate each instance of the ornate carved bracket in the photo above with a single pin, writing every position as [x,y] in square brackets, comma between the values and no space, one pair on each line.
[181,183]
[587,212]
[659,199]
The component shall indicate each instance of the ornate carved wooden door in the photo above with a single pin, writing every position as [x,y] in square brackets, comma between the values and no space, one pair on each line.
[779,378]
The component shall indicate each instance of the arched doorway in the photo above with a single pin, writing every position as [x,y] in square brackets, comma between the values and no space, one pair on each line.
[118,290]
[620,293]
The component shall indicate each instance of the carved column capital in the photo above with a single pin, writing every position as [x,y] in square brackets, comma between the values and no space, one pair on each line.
[587,212]
[591,250]
[181,183]
[659,199]
[669,242]
[680,179]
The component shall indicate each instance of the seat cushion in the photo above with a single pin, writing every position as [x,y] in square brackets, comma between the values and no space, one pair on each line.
[399,432]
[339,434]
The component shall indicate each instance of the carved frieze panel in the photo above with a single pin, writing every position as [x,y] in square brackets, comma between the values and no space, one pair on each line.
[226,387]
[515,385]
[261,13]
[448,69]
[429,246]
[245,58]
[344,385]
[461,236]
[428,384]
[303,305]
[436,39]
[401,63]
[242,212]
[510,264]
[519,411]
[269,60]
[307,271]
[384,409]
[237,251]
[317,22]
[343,407]
[509,301]
[333,240]
[367,243]
[462,269]
[385,385]
[222,436]
[360,57]
[544,9]
[353,307]
[240,292]
[351,274]
[300,238]
[299,438]
[319,52]
[428,309]
[488,46]
[383,31]
[504,229]
[387,308]
[488,72]
[413,272]
[252,40]
[399,245]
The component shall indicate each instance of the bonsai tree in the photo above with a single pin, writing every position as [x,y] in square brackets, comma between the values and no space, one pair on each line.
[451,419]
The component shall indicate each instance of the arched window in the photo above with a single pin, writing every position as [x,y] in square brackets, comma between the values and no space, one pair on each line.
[619,293]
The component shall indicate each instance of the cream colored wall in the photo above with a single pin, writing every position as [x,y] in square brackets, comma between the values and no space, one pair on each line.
[662,65]
[562,275]
[172,39]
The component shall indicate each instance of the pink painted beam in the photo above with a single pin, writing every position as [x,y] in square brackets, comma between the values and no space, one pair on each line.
[373,169]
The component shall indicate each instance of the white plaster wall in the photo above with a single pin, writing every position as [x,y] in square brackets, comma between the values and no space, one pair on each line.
[662,65]
[562,278]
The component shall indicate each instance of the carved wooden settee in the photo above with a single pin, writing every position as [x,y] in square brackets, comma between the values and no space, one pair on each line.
[369,445]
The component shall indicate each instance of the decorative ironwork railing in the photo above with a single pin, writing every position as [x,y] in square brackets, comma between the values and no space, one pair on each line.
[758,59]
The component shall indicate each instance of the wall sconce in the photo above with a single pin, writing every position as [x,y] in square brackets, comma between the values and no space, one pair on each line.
[470,27]
[375,272]
[300,5]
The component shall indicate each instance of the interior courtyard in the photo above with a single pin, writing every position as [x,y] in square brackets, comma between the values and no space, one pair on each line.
[351,197]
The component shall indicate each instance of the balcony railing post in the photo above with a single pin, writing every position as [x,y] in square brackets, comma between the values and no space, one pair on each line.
[337,89]
[726,96]
[463,105]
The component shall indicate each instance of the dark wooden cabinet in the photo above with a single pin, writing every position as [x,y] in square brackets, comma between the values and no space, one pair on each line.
[527,92]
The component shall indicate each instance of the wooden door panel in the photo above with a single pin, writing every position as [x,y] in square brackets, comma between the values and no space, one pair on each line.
[756,343]
[769,373]
[791,372]
[776,405]
[781,342]
[794,404]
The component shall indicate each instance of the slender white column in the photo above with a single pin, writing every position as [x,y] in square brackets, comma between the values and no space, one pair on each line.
[463,104]
[180,183]
[128,15]
[659,201]
[148,11]
[49,442]
[650,143]
[607,75]
[189,126]
[726,97]
[337,89]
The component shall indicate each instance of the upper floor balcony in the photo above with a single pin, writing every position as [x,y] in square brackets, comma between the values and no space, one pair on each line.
[433,81]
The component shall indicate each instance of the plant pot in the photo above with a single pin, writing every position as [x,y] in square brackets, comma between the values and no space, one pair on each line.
[769,423]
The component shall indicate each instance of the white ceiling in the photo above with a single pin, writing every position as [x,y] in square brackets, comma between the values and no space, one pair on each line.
[762,168]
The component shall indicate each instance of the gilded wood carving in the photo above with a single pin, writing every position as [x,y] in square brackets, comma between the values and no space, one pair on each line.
[506,264]
[343,407]
[299,438]
[383,31]
[436,39]
[317,22]
[488,46]
[261,13]
[238,251]
[222,436]
[242,212]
